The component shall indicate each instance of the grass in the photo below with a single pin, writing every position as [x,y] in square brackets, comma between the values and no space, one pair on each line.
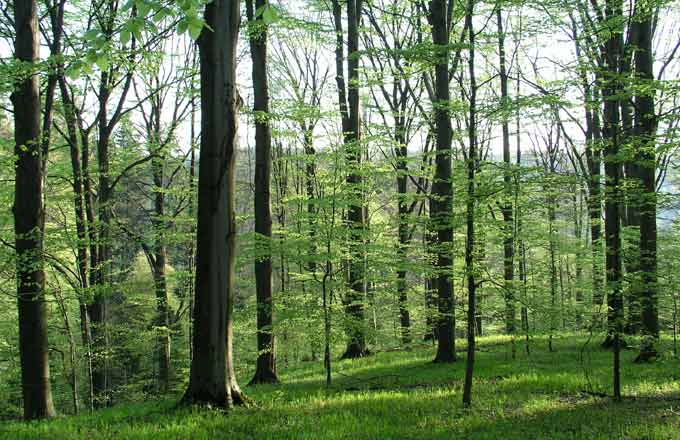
[403,395]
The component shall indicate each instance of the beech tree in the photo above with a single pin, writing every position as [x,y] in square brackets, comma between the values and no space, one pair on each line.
[441,199]
[257,35]
[29,220]
[348,102]
[212,379]
[342,211]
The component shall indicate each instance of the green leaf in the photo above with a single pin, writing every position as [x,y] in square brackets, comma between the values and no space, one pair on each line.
[137,30]
[182,27]
[124,36]
[143,8]
[73,72]
[102,62]
[91,57]
[160,15]
[195,29]
[91,35]
[269,15]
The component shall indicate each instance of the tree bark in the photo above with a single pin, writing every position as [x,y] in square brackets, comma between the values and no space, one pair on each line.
[594,163]
[441,201]
[508,223]
[159,259]
[212,380]
[470,211]
[612,140]
[265,371]
[645,135]
[29,214]
[403,229]
[351,126]
[82,258]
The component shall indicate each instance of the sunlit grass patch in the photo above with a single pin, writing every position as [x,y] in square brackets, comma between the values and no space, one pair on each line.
[403,395]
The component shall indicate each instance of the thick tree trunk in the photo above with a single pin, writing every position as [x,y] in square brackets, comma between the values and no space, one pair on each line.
[631,215]
[645,134]
[29,221]
[265,371]
[441,201]
[212,379]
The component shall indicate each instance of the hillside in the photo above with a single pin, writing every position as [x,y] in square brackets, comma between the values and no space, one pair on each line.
[403,395]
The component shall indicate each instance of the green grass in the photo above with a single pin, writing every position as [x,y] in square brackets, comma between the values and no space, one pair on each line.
[403,395]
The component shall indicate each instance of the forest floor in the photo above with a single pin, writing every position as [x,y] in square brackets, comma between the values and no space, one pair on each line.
[403,395]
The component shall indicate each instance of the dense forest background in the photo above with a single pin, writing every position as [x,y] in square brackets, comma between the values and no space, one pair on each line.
[406,173]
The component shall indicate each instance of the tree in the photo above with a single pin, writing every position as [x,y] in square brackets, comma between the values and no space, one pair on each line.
[441,200]
[348,99]
[612,166]
[508,230]
[29,220]
[645,134]
[257,33]
[401,94]
[470,209]
[212,380]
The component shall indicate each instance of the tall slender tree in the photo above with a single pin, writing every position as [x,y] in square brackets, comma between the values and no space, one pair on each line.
[470,209]
[265,371]
[29,212]
[611,90]
[441,200]
[348,100]
[506,208]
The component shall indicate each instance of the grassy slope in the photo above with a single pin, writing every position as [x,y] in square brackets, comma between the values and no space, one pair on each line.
[402,395]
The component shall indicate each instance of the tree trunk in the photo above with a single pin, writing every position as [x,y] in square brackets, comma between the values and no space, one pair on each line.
[578,222]
[265,371]
[351,124]
[508,225]
[159,259]
[470,211]
[631,209]
[102,269]
[403,229]
[29,221]
[81,229]
[594,159]
[310,176]
[553,261]
[610,93]
[441,201]
[645,134]
[212,380]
